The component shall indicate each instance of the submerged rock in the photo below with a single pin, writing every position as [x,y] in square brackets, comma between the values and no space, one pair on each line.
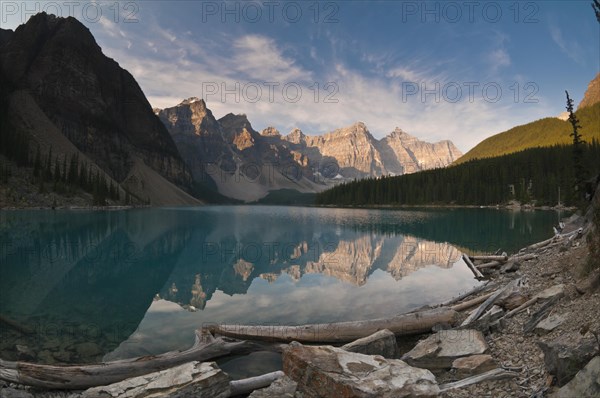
[439,350]
[326,371]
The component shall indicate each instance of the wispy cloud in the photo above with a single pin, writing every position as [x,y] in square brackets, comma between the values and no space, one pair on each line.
[571,49]
[499,58]
[171,69]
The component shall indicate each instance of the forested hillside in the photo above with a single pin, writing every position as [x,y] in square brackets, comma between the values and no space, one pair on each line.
[541,133]
[530,176]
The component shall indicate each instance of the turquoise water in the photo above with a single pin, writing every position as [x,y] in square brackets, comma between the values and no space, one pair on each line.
[85,286]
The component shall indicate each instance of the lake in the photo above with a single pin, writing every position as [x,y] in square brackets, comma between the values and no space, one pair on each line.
[84,286]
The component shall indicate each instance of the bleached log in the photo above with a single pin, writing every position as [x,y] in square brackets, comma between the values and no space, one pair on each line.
[490,301]
[491,264]
[502,258]
[494,374]
[471,303]
[520,308]
[81,377]
[540,314]
[341,332]
[487,285]
[471,266]
[524,257]
[246,386]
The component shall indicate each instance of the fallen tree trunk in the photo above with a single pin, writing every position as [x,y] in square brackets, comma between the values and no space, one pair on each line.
[341,332]
[472,267]
[487,285]
[471,303]
[81,377]
[520,308]
[492,264]
[502,258]
[490,301]
[246,386]
[494,374]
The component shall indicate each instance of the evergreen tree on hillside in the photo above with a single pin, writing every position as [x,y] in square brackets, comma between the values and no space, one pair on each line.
[578,143]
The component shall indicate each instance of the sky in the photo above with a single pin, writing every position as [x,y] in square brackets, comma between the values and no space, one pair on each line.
[438,70]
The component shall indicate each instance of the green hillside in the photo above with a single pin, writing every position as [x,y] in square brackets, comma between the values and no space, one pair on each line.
[541,133]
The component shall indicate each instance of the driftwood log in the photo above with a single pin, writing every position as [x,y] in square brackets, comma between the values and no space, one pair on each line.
[494,374]
[490,301]
[471,303]
[81,377]
[246,386]
[503,258]
[340,332]
[485,286]
[472,267]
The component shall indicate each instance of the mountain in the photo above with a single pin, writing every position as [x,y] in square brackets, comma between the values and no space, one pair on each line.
[72,100]
[247,165]
[544,132]
[592,94]
[229,155]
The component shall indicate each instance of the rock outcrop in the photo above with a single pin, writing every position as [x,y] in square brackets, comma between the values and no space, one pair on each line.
[440,350]
[592,94]
[326,371]
[586,382]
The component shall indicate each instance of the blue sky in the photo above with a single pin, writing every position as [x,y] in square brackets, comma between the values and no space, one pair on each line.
[434,69]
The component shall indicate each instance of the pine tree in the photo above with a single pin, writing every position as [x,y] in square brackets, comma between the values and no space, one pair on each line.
[37,164]
[578,143]
[596,7]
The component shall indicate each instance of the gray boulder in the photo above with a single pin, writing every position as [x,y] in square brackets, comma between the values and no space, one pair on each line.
[439,350]
[326,371]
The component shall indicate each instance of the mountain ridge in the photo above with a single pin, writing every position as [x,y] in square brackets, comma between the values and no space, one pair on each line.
[56,64]
[309,163]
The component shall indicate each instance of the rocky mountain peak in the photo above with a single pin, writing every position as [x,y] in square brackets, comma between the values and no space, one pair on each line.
[270,132]
[296,136]
[193,100]
[399,134]
[592,94]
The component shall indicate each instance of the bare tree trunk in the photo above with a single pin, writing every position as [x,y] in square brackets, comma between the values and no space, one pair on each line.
[82,377]
[341,332]
[246,386]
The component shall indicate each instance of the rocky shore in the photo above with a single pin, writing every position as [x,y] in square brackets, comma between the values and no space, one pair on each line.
[536,335]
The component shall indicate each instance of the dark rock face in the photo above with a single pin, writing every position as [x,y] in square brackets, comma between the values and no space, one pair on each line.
[96,104]
[566,356]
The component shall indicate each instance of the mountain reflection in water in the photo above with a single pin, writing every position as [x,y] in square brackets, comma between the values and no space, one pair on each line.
[90,285]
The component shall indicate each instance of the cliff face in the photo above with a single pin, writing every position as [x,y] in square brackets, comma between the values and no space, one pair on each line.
[242,163]
[592,94]
[92,101]
[247,165]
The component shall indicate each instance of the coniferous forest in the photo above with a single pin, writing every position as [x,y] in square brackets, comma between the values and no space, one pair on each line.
[533,176]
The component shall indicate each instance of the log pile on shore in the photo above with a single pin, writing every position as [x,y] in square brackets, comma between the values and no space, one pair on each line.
[530,330]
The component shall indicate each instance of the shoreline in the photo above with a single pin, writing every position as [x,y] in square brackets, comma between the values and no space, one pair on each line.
[510,346]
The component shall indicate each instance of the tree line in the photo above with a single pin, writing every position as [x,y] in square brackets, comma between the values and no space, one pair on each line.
[62,174]
[537,176]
